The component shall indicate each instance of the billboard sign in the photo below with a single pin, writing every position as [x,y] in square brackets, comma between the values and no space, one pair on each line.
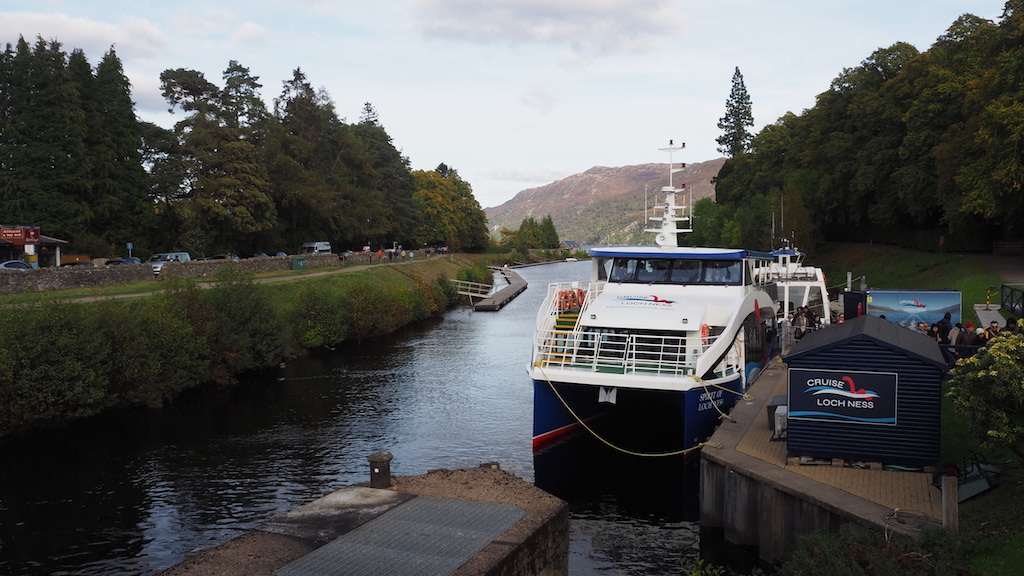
[843,396]
[20,236]
[909,307]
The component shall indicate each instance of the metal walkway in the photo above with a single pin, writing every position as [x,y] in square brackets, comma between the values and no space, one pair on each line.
[424,536]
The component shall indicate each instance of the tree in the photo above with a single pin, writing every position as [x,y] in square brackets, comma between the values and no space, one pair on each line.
[548,233]
[738,117]
[988,390]
[450,213]
[226,201]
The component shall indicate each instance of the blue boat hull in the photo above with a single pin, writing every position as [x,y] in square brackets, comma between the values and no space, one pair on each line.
[670,420]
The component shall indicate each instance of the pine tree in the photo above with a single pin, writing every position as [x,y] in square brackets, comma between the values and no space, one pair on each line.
[738,117]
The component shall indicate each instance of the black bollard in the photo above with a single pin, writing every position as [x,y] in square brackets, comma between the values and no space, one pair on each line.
[380,469]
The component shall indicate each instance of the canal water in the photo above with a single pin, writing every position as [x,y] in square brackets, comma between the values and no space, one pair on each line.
[134,492]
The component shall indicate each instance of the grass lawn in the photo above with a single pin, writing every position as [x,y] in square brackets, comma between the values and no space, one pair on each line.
[992,523]
[428,269]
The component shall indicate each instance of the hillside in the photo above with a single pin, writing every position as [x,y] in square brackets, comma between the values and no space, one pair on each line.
[602,205]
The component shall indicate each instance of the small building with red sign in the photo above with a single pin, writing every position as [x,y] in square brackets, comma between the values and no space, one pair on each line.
[28,244]
[865,390]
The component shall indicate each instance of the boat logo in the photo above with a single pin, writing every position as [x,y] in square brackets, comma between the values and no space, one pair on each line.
[647,298]
[915,303]
[843,387]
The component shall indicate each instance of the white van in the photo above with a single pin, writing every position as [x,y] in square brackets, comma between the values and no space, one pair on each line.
[157,261]
[315,248]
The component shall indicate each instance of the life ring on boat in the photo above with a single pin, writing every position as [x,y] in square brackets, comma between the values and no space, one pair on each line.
[704,331]
[580,297]
[566,300]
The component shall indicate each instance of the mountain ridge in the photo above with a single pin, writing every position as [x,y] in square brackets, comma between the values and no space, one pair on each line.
[602,205]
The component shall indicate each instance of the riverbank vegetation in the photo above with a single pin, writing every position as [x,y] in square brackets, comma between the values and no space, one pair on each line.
[231,176]
[918,149]
[63,360]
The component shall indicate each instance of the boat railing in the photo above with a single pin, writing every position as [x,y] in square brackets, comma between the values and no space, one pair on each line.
[785,273]
[567,298]
[606,352]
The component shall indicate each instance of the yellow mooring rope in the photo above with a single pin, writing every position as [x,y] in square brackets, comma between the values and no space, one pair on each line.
[631,452]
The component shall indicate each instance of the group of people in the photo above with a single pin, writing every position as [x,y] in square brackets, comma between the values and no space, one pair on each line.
[804,320]
[965,335]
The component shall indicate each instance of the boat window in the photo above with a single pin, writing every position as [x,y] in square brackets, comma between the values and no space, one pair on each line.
[723,272]
[652,270]
[623,270]
[685,272]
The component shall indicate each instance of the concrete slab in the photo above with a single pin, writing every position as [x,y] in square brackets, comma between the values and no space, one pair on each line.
[425,536]
[327,518]
[536,543]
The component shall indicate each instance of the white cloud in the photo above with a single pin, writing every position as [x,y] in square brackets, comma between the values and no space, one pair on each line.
[250,33]
[539,98]
[587,26]
[135,37]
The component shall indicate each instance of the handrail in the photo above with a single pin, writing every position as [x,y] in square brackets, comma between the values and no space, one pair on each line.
[1012,299]
[621,353]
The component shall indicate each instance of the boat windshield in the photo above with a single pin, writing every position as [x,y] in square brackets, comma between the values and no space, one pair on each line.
[675,271]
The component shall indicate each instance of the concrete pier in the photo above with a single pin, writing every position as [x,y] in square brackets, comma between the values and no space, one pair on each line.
[469,522]
[496,301]
[753,496]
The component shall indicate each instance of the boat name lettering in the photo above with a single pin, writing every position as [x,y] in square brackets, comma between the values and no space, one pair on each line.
[712,394]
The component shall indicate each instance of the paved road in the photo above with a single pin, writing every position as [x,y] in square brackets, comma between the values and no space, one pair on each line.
[1010,267]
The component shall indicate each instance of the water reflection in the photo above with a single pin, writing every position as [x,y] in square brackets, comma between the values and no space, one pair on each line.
[133,492]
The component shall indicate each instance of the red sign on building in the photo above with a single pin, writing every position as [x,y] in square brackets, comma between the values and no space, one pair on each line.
[20,235]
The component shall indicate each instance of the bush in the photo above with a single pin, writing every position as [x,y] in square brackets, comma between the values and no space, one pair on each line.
[863,552]
[52,364]
[244,329]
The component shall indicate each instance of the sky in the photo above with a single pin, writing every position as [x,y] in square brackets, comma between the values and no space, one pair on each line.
[513,94]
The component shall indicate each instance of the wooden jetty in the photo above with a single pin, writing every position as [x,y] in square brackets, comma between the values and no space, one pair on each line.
[496,301]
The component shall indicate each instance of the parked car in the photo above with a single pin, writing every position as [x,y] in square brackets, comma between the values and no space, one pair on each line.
[14,265]
[315,248]
[77,264]
[157,261]
[225,257]
[130,261]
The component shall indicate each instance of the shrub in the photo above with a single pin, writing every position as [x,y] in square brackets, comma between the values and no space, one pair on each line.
[51,364]
[863,552]
[245,330]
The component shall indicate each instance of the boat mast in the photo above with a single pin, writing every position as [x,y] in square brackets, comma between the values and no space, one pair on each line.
[672,213]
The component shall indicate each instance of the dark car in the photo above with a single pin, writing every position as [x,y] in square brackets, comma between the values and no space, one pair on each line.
[130,261]
[14,265]
[77,264]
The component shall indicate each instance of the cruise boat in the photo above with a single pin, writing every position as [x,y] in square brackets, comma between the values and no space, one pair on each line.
[663,328]
[797,286]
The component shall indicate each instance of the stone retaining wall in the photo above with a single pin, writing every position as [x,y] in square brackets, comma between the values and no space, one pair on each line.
[43,279]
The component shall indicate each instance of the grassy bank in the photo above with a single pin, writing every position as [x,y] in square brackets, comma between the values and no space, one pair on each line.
[64,359]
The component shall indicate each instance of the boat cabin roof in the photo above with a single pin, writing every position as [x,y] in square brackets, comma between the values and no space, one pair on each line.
[686,252]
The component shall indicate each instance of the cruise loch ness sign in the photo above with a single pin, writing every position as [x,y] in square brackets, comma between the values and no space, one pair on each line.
[843,396]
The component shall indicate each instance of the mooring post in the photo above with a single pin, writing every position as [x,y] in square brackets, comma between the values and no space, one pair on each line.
[380,469]
[950,503]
